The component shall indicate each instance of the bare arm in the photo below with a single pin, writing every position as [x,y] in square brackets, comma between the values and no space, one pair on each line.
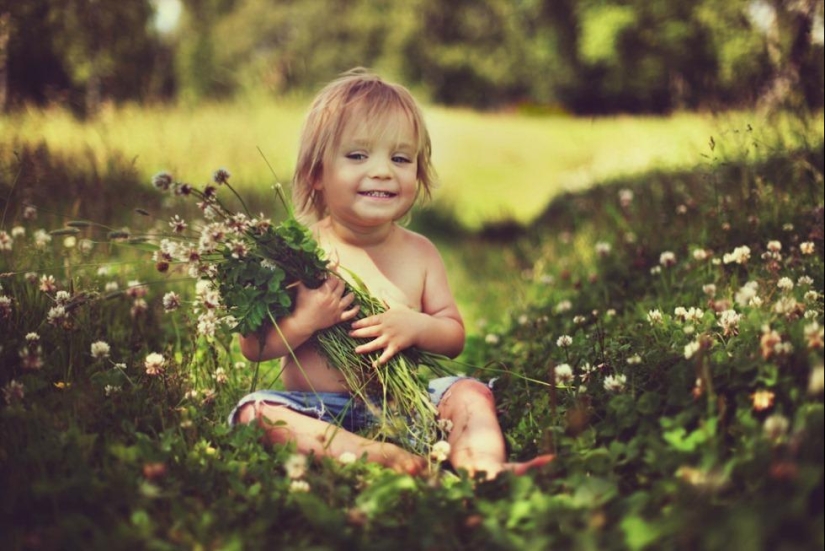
[315,309]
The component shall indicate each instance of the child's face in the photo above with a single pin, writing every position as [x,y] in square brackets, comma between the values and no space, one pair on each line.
[370,178]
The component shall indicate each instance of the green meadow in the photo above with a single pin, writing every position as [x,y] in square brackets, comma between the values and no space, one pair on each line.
[647,295]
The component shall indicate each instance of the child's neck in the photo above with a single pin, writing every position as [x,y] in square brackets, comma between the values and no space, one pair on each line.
[359,236]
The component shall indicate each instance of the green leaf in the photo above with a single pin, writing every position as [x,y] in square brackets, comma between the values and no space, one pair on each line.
[639,533]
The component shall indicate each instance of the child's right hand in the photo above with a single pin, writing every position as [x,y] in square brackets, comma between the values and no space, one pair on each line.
[317,309]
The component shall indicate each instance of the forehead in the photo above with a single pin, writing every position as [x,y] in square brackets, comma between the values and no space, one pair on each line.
[370,125]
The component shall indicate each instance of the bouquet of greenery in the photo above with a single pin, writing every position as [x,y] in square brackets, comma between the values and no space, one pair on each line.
[247,269]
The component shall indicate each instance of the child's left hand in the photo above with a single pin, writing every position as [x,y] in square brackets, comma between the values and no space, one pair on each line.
[392,330]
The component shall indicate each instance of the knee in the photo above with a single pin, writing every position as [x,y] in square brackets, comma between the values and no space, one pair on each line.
[469,392]
[246,414]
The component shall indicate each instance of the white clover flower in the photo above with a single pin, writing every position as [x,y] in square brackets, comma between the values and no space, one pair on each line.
[785,284]
[667,259]
[111,286]
[747,293]
[547,279]
[776,426]
[740,255]
[615,383]
[654,317]
[62,298]
[295,466]
[807,247]
[171,301]
[18,232]
[32,337]
[139,307]
[656,270]
[625,197]
[563,306]
[603,248]
[162,181]
[221,176]
[6,241]
[635,359]
[815,335]
[810,296]
[805,281]
[691,314]
[774,246]
[579,320]
[692,348]
[220,376]
[14,392]
[729,322]
[56,315]
[564,373]
[564,341]
[154,363]
[5,306]
[70,242]
[785,305]
[700,254]
[42,239]
[709,289]
[48,284]
[100,350]
[440,451]
[299,486]
[523,319]
[177,224]
[111,389]
[347,458]
[207,323]
[492,338]
[135,289]
[86,246]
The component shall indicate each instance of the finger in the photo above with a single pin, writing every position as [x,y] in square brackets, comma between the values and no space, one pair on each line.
[389,352]
[365,332]
[365,322]
[351,313]
[372,346]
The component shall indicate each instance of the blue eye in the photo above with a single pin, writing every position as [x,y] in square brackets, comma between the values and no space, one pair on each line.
[400,159]
[356,156]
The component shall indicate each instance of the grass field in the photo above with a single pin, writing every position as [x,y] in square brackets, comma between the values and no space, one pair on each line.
[492,166]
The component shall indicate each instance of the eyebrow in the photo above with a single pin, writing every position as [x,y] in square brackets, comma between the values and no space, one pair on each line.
[368,143]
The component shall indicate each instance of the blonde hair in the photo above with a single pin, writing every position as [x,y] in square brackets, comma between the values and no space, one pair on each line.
[356,93]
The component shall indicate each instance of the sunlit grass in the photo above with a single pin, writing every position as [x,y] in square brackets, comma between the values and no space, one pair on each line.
[492,166]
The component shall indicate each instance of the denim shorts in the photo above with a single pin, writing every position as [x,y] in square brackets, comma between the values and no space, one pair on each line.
[339,408]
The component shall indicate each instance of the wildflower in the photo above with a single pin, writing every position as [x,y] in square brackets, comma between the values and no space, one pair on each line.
[635,359]
[747,293]
[135,289]
[440,451]
[162,181]
[32,337]
[681,209]
[810,296]
[625,197]
[807,247]
[5,307]
[41,239]
[615,383]
[816,381]
[785,306]
[86,246]
[13,392]
[207,323]
[62,298]
[564,306]
[295,466]
[48,284]
[220,376]
[523,319]
[70,242]
[154,364]
[579,320]
[564,373]
[100,350]
[221,176]
[6,241]
[740,255]
[29,212]
[787,227]
[564,341]
[654,317]
[177,224]
[805,281]
[31,357]
[785,284]
[171,301]
[18,232]
[667,259]
[767,343]
[656,270]
[299,486]
[692,348]
[603,248]
[774,246]
[347,458]
[762,400]
[139,307]
[56,315]
[700,254]
[492,338]
[111,286]
[111,389]
[775,426]
[729,322]
[815,334]
[691,314]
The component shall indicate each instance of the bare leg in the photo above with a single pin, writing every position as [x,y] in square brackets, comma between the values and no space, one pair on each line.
[312,435]
[476,441]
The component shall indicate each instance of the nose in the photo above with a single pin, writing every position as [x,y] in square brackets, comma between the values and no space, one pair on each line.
[380,168]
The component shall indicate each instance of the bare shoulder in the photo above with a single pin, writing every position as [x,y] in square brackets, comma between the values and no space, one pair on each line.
[416,244]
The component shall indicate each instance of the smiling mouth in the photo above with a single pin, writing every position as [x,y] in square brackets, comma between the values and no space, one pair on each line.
[377,193]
